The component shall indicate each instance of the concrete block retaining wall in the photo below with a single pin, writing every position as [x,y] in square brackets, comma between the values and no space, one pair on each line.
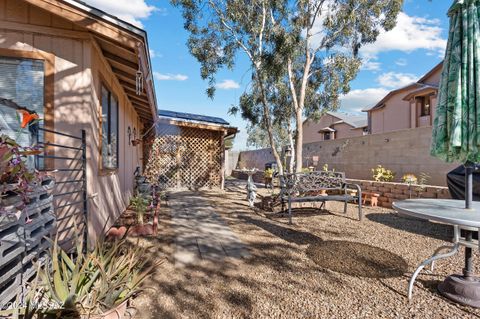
[389,192]
[404,151]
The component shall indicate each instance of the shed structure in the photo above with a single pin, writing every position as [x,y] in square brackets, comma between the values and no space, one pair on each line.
[188,151]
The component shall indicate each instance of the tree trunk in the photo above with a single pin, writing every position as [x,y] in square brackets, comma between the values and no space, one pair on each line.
[292,146]
[299,141]
[273,145]
[268,123]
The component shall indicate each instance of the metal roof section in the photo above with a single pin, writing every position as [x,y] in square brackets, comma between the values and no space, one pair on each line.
[107,17]
[193,117]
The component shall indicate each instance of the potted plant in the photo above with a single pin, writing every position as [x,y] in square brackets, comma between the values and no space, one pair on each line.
[141,203]
[96,285]
[136,142]
[16,178]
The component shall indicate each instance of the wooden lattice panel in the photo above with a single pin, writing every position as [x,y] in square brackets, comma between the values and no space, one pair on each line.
[185,157]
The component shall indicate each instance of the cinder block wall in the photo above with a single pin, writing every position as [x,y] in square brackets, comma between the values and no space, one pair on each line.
[405,151]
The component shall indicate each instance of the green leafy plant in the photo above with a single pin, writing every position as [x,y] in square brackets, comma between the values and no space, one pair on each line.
[92,283]
[140,204]
[381,174]
[15,175]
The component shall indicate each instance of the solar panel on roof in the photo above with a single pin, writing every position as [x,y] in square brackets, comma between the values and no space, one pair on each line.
[193,117]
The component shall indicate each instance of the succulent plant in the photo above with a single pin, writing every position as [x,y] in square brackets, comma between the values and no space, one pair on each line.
[94,282]
[140,204]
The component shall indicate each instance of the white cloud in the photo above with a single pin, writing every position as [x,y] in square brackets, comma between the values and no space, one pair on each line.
[371,65]
[401,62]
[155,54]
[357,100]
[411,33]
[169,77]
[228,85]
[396,80]
[129,10]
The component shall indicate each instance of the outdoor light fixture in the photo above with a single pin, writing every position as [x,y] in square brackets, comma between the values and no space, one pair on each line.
[129,133]
[135,141]
[315,160]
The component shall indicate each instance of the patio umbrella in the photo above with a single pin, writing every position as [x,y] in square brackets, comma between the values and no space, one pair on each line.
[456,129]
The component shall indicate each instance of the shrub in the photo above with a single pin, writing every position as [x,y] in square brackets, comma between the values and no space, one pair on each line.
[381,174]
[409,179]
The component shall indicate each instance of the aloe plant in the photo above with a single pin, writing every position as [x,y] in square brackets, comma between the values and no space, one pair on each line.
[95,282]
[140,204]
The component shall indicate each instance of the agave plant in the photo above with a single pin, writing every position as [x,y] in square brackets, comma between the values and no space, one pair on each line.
[93,283]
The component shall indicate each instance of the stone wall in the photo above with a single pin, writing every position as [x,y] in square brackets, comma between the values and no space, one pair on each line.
[405,151]
[390,192]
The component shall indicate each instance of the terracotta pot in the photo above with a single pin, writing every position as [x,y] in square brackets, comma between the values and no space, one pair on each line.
[141,230]
[115,313]
[116,233]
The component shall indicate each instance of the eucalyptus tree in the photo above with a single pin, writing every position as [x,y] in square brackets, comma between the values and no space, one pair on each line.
[319,43]
[311,45]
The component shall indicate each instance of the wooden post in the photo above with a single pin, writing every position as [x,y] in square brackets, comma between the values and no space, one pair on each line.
[222,150]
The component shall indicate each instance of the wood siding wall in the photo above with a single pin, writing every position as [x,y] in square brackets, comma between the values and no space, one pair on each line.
[79,71]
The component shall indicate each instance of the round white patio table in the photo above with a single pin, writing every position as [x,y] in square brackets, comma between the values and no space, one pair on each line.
[463,289]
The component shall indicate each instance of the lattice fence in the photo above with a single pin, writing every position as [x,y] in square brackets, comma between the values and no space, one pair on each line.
[184,157]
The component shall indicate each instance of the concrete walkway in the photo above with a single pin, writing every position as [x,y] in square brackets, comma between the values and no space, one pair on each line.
[200,233]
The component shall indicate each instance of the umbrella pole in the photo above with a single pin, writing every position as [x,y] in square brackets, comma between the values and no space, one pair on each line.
[468,270]
[469,166]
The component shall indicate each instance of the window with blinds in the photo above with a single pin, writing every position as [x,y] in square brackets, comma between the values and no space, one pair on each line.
[22,81]
[109,130]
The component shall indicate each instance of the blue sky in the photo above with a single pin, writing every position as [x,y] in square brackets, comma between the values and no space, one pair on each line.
[399,57]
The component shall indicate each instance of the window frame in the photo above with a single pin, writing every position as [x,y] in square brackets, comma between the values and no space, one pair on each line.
[423,105]
[48,95]
[111,95]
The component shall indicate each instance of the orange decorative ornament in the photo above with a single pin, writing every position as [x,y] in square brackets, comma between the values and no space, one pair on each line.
[27,117]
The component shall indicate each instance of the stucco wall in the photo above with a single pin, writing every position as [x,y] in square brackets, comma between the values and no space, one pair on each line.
[405,151]
[395,115]
[311,128]
[79,69]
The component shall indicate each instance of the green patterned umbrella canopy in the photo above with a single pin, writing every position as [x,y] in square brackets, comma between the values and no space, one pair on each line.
[456,129]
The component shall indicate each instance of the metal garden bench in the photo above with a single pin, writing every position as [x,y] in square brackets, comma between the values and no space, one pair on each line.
[308,187]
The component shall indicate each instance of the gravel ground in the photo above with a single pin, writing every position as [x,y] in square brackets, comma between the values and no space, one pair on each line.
[327,265]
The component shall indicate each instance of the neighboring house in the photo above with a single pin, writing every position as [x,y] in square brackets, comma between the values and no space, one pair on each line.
[334,125]
[189,151]
[407,107]
[78,68]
